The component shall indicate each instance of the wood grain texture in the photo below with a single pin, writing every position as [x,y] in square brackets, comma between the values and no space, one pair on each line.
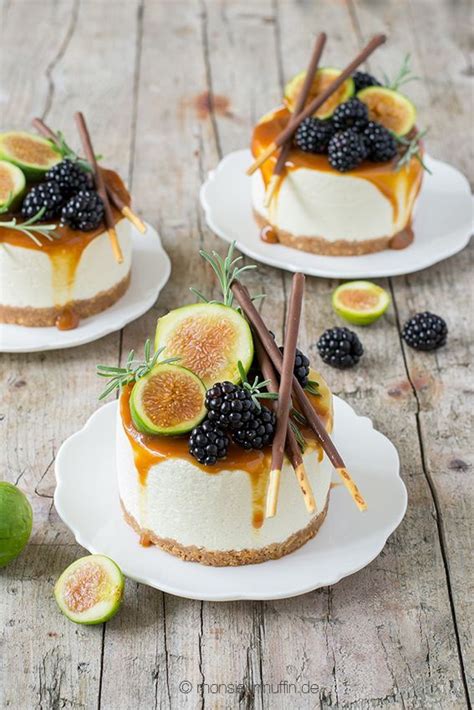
[168,88]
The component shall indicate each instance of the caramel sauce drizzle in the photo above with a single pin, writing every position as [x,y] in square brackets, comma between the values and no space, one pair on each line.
[268,235]
[65,252]
[394,185]
[149,450]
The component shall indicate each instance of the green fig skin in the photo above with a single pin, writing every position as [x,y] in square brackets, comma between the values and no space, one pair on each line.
[16,522]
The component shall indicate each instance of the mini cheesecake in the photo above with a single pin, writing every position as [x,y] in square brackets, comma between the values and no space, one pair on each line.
[323,211]
[61,281]
[215,514]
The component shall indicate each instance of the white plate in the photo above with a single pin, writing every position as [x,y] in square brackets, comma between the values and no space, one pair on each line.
[443,224]
[87,500]
[151,268]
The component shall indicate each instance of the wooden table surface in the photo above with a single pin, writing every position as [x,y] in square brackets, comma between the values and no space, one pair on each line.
[168,88]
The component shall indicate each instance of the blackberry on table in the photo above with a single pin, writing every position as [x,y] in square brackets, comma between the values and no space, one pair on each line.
[45,195]
[351,114]
[257,432]
[69,177]
[362,80]
[229,405]
[340,347]
[208,443]
[381,145]
[425,331]
[301,369]
[84,211]
[313,135]
[346,150]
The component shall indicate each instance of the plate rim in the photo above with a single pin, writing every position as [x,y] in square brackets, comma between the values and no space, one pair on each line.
[145,304]
[219,597]
[335,273]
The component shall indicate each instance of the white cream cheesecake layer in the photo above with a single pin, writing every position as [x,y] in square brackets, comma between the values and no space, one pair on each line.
[317,203]
[31,278]
[182,502]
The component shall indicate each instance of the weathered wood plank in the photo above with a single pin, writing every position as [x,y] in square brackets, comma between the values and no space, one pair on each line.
[50,66]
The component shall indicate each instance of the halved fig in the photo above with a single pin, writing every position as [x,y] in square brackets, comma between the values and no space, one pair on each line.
[12,185]
[32,154]
[390,108]
[323,78]
[168,401]
[90,590]
[360,302]
[209,339]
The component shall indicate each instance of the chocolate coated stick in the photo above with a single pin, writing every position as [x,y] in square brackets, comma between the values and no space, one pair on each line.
[292,448]
[299,105]
[284,393]
[99,183]
[311,416]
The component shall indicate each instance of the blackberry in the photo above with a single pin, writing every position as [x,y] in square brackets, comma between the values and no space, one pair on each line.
[84,211]
[340,347]
[346,150]
[229,405]
[257,432]
[301,369]
[362,80]
[313,135]
[69,177]
[45,195]
[381,145]
[425,331]
[350,114]
[208,443]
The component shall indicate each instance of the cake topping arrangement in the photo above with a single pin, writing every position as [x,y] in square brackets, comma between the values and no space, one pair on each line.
[318,101]
[361,119]
[218,380]
[55,183]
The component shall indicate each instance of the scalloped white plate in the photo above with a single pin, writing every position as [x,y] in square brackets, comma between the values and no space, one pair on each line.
[87,500]
[443,224]
[151,269]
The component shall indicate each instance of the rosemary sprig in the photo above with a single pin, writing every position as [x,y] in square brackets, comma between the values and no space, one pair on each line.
[404,75]
[30,226]
[226,271]
[300,440]
[412,150]
[298,417]
[312,387]
[134,369]
[65,150]
[255,388]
